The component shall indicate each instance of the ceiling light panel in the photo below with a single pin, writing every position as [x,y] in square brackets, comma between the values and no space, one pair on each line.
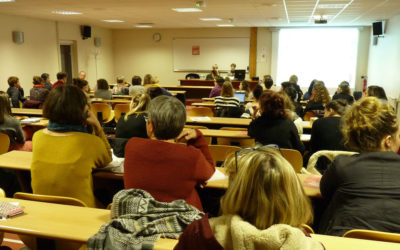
[113,21]
[210,19]
[187,10]
[66,12]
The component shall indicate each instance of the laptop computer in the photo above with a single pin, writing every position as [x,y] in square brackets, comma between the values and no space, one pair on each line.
[241,96]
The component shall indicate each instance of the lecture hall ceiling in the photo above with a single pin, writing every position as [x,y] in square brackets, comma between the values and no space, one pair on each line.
[245,13]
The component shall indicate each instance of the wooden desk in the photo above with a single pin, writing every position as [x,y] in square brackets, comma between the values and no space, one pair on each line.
[17,160]
[239,134]
[42,123]
[28,112]
[200,82]
[97,100]
[204,104]
[222,121]
[192,92]
[211,99]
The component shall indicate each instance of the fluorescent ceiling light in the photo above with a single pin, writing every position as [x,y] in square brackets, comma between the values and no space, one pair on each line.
[187,10]
[144,26]
[6,1]
[225,25]
[210,19]
[66,12]
[113,21]
[331,6]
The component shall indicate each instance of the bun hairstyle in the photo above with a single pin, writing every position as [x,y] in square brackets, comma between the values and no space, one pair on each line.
[273,105]
[338,106]
[139,104]
[366,123]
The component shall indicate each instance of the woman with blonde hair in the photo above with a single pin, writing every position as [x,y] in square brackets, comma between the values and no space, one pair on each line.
[133,124]
[320,97]
[227,104]
[264,198]
[363,191]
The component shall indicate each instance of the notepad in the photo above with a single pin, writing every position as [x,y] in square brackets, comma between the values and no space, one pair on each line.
[30,120]
[8,209]
[218,175]
[200,118]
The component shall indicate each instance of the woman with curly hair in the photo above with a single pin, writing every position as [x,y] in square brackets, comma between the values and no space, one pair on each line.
[363,191]
[320,97]
[274,126]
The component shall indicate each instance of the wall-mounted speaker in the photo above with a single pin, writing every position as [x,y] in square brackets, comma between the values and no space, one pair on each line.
[86,32]
[378,28]
[97,41]
[18,37]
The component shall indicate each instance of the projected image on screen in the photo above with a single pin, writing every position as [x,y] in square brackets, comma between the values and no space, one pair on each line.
[327,54]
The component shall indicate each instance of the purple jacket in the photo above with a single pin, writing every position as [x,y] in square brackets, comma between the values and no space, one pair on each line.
[216,91]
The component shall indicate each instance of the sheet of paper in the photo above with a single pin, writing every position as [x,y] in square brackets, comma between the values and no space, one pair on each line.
[218,175]
[30,120]
[200,118]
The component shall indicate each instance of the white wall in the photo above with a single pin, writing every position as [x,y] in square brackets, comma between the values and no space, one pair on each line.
[135,52]
[39,53]
[384,60]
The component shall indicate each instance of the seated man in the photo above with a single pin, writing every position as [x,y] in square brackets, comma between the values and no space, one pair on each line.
[216,91]
[168,171]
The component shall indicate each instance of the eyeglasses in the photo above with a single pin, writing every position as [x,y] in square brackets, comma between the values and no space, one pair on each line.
[237,153]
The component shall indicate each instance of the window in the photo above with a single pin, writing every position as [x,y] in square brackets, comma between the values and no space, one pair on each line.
[327,54]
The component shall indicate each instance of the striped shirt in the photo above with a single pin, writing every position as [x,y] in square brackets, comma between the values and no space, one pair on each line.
[222,102]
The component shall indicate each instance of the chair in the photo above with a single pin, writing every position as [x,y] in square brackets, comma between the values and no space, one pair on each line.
[294,157]
[241,142]
[307,228]
[2,195]
[220,152]
[105,110]
[372,235]
[308,115]
[201,111]
[119,109]
[33,242]
[4,143]
[192,76]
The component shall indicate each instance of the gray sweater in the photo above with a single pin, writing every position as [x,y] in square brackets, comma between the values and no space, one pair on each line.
[12,127]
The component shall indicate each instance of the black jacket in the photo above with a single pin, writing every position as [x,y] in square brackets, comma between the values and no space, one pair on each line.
[281,131]
[363,192]
[344,96]
[326,134]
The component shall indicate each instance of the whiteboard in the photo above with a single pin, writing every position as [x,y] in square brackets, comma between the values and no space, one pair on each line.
[220,51]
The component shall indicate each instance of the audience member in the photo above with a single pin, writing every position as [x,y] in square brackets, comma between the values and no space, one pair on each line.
[308,95]
[245,87]
[47,81]
[15,91]
[61,80]
[38,92]
[81,84]
[147,79]
[103,90]
[120,88]
[362,191]
[133,123]
[136,88]
[290,109]
[274,125]
[291,92]
[252,108]
[168,171]
[265,207]
[377,92]
[82,75]
[268,82]
[65,153]
[343,92]
[153,92]
[216,91]
[227,105]
[293,81]
[320,97]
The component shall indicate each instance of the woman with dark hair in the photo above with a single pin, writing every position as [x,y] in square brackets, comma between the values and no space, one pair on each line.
[65,153]
[46,79]
[292,94]
[274,125]
[362,191]
[38,92]
[136,88]
[103,90]
[343,92]
[245,87]
[377,92]
[308,94]
[252,108]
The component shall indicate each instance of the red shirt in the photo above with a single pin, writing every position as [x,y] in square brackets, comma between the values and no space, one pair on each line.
[166,170]
[58,83]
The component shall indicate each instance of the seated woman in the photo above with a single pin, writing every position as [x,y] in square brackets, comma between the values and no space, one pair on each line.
[363,191]
[121,88]
[64,153]
[274,126]
[133,124]
[291,92]
[308,94]
[227,105]
[38,92]
[377,92]
[136,88]
[264,207]
[168,171]
[252,108]
[343,92]
[245,87]
[103,90]
[291,108]
[214,73]
[320,97]
[15,91]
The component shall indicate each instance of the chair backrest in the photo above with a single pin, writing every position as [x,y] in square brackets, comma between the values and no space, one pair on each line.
[119,109]
[103,108]
[4,143]
[192,76]
[201,111]
[372,235]
[2,193]
[220,152]
[308,115]
[50,199]
[294,157]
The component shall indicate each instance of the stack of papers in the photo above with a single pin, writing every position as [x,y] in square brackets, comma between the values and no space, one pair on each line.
[200,118]
[30,120]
